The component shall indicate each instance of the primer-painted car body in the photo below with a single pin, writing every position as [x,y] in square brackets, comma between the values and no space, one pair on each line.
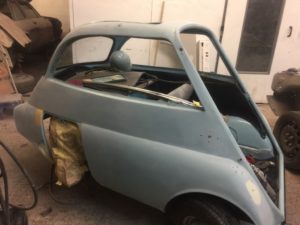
[155,151]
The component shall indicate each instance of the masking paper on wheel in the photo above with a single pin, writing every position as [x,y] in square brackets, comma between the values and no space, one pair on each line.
[67,150]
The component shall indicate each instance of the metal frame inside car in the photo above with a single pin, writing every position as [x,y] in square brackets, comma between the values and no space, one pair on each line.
[238,183]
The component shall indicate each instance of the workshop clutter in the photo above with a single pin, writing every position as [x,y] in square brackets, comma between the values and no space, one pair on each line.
[67,151]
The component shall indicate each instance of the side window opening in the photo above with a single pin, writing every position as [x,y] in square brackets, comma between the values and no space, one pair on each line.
[85,50]
[137,70]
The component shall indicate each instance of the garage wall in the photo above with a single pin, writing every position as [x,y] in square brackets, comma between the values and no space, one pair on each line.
[94,10]
[207,13]
[287,50]
[54,8]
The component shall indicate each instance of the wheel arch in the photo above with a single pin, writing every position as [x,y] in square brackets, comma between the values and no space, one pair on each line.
[180,198]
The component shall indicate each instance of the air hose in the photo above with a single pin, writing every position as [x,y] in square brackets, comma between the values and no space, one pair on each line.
[11,214]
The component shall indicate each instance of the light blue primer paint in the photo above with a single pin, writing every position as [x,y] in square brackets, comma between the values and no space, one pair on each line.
[154,151]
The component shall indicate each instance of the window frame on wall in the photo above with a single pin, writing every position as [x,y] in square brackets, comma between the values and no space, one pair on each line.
[267,70]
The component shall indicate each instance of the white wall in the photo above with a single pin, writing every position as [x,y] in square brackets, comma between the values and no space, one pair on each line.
[207,13]
[287,50]
[54,8]
[122,10]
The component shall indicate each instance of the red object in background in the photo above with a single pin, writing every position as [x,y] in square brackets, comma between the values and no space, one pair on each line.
[76,82]
[250,159]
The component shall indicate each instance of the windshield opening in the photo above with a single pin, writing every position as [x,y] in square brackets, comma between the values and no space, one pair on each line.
[221,84]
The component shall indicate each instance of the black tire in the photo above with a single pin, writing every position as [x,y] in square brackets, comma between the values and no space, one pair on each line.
[18,217]
[56,27]
[24,82]
[287,133]
[201,212]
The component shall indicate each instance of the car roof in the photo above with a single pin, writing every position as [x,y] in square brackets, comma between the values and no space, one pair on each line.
[167,30]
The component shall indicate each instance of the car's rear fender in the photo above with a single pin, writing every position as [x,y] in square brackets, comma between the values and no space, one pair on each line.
[29,122]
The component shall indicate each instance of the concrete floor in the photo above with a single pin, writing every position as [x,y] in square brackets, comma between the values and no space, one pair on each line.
[88,203]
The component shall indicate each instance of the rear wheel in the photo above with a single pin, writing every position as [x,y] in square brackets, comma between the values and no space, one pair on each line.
[202,212]
[287,133]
